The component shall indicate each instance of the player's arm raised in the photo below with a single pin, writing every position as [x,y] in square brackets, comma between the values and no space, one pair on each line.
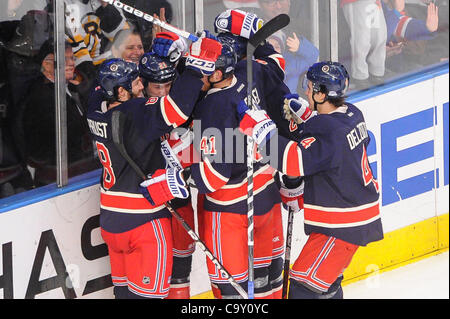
[308,156]
[175,108]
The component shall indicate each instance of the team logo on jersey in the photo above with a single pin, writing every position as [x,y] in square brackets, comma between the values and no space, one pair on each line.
[152,100]
[144,60]
[114,67]
[146,280]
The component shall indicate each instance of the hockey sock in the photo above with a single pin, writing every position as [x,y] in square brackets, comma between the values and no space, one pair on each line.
[227,291]
[263,290]
[216,291]
[335,291]
[120,292]
[276,277]
[298,290]
[179,289]
[180,282]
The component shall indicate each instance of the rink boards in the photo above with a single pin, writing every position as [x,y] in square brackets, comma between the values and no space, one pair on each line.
[50,243]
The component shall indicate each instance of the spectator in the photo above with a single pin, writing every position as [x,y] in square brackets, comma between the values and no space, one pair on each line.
[91,24]
[160,9]
[14,177]
[37,122]
[299,53]
[408,36]
[436,49]
[368,34]
[299,11]
[22,45]
[128,45]
[403,29]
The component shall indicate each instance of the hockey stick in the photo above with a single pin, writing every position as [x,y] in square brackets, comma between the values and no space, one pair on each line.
[117,123]
[149,18]
[262,34]
[287,253]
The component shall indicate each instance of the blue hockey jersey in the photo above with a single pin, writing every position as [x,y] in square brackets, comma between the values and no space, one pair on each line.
[341,195]
[222,172]
[268,81]
[123,207]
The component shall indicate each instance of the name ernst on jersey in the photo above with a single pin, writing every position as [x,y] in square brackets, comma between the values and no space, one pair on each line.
[98,128]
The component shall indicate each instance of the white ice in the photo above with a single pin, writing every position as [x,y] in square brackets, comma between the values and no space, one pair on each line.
[425,279]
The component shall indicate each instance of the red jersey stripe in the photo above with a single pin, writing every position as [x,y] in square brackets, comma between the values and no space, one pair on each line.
[339,217]
[230,193]
[127,203]
[171,112]
[292,161]
[211,178]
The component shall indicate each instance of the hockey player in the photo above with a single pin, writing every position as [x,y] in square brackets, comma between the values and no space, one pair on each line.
[341,194]
[158,74]
[221,176]
[138,233]
[269,82]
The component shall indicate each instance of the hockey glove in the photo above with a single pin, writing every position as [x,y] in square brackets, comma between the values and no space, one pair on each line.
[238,22]
[203,55]
[296,108]
[169,44]
[163,186]
[179,151]
[256,124]
[291,192]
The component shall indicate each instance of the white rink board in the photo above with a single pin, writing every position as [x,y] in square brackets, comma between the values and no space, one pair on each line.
[405,125]
[58,220]
[404,107]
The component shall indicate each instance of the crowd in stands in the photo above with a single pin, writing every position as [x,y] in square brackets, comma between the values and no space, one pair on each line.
[384,38]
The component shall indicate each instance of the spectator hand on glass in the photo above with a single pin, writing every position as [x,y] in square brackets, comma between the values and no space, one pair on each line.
[432,17]
[162,17]
[293,43]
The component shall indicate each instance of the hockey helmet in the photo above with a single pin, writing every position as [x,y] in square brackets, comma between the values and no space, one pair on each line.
[238,43]
[156,69]
[226,62]
[328,77]
[114,73]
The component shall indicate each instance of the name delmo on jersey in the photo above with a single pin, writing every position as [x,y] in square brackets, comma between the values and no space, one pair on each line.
[357,135]
[98,128]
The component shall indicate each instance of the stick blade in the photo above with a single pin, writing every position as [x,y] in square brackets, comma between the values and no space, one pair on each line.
[269,28]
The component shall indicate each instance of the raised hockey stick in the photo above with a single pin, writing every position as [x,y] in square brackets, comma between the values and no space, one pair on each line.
[117,123]
[269,28]
[287,253]
[150,18]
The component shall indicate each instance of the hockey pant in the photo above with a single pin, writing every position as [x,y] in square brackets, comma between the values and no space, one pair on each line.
[317,272]
[141,260]
[183,248]
[225,234]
